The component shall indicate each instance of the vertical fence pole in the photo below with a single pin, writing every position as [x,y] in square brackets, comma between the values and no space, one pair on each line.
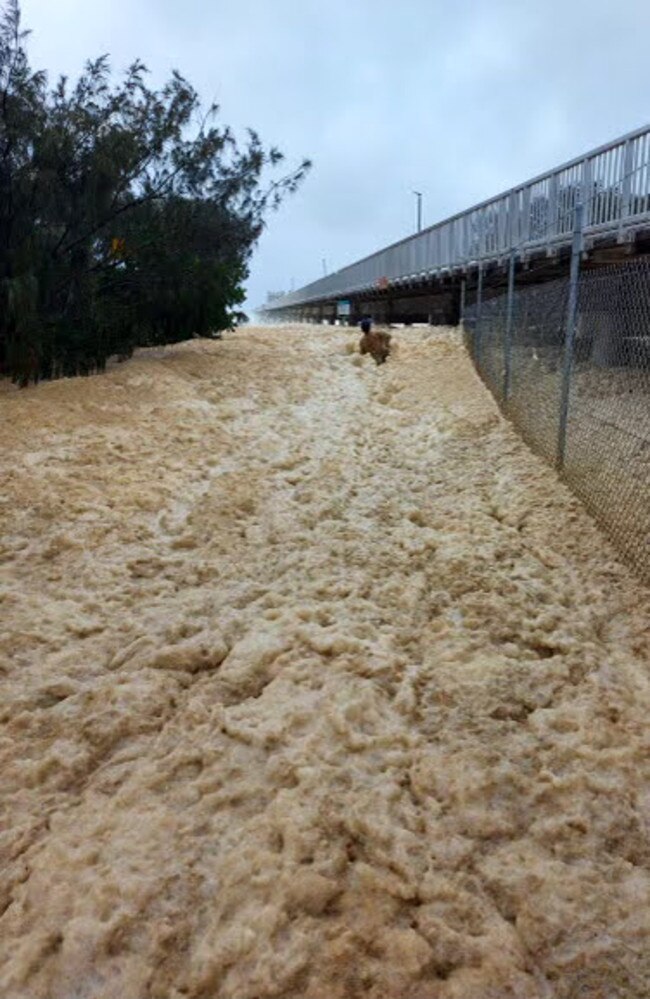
[463,284]
[569,334]
[479,309]
[507,378]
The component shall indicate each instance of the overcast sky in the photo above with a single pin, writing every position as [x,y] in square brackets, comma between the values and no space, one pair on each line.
[459,99]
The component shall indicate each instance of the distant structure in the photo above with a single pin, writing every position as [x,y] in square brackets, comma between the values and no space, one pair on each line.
[528,231]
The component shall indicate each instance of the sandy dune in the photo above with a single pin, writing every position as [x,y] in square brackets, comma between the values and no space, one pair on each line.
[315,685]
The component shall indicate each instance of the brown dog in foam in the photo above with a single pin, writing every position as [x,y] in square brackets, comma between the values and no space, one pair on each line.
[372,342]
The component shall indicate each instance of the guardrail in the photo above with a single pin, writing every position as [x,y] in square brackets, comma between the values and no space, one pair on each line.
[612,182]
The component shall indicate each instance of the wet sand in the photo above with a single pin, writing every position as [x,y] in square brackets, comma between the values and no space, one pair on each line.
[316,684]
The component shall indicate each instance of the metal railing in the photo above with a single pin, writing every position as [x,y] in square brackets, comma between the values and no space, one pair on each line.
[612,182]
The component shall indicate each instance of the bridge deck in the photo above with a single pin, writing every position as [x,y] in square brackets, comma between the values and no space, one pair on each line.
[535,218]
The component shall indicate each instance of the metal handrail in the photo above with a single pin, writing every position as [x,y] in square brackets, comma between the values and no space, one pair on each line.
[611,181]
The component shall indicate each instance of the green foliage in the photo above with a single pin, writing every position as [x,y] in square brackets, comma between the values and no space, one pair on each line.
[127,217]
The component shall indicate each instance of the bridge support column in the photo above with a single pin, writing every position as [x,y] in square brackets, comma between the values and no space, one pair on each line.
[380,312]
[507,342]
[605,345]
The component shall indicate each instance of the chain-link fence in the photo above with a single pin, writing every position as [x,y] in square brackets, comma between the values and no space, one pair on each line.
[600,441]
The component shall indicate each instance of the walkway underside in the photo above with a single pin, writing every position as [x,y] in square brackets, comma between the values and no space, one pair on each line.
[316,684]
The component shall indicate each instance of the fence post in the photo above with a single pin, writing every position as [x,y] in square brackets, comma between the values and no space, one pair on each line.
[508,337]
[569,333]
[479,309]
[462,301]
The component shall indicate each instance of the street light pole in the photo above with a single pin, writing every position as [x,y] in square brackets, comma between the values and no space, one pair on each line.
[418,195]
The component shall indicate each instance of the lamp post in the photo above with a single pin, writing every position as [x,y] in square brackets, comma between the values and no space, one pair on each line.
[418,195]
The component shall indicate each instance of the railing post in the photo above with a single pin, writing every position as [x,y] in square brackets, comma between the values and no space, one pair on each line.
[569,334]
[512,219]
[551,222]
[526,226]
[507,379]
[588,214]
[626,187]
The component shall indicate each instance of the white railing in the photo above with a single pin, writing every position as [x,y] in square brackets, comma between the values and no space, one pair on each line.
[612,182]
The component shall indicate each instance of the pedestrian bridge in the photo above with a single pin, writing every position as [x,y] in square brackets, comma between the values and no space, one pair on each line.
[427,275]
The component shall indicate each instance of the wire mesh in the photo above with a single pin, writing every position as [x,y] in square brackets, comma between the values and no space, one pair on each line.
[607,450]
[490,344]
[608,432]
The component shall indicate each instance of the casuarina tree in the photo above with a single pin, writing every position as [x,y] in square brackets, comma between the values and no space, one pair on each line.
[128,215]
